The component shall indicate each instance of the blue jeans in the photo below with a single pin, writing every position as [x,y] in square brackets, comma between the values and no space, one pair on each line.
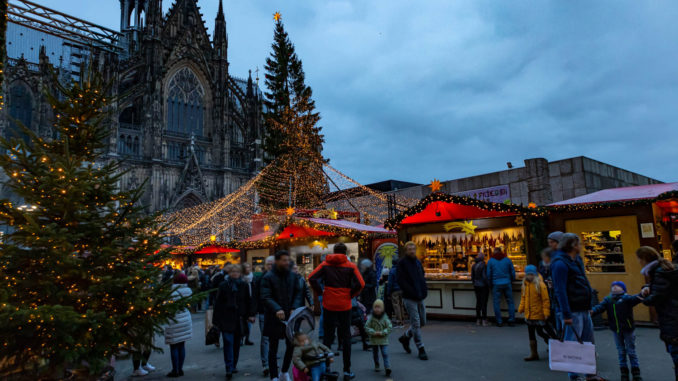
[177,355]
[384,355]
[318,371]
[499,290]
[626,345]
[583,325]
[263,347]
[231,350]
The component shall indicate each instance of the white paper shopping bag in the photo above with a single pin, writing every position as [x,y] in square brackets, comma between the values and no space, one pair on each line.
[572,356]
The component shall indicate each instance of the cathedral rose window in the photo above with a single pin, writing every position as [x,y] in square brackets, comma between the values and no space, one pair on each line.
[185,104]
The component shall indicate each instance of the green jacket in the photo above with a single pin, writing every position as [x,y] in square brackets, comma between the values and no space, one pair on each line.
[303,356]
[374,325]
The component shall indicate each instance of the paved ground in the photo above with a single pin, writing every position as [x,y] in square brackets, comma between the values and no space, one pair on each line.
[457,351]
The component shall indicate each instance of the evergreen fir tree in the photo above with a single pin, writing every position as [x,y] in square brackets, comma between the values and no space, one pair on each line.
[293,141]
[77,265]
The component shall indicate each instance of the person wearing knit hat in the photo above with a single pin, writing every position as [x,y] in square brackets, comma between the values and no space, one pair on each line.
[535,305]
[554,238]
[619,307]
[378,328]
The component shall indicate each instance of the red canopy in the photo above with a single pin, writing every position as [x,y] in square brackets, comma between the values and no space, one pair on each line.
[213,249]
[298,231]
[440,211]
[668,206]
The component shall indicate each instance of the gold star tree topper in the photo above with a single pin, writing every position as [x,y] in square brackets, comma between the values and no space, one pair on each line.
[289,211]
[435,185]
[277,16]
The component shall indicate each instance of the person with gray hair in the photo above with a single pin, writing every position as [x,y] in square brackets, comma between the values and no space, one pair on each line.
[573,292]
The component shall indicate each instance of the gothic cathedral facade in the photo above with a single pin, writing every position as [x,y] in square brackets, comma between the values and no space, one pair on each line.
[185,128]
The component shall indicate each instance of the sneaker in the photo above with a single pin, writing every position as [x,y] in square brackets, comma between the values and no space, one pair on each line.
[486,323]
[405,341]
[388,372]
[478,322]
[285,377]
[148,367]
[139,373]
[349,376]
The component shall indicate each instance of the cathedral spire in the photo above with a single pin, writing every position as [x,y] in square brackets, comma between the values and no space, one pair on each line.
[220,37]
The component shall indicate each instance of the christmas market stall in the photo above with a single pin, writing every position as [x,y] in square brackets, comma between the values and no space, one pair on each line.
[450,231]
[612,224]
[179,256]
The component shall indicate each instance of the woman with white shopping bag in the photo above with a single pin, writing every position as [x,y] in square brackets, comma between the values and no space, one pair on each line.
[573,292]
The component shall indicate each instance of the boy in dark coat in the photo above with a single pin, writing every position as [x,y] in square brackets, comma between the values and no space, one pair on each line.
[233,307]
[619,307]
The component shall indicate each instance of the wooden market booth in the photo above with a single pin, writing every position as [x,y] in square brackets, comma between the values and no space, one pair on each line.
[612,224]
[450,231]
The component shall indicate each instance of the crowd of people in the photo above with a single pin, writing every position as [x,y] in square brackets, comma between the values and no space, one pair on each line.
[556,303]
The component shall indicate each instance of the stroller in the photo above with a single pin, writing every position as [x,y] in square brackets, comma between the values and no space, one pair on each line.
[302,320]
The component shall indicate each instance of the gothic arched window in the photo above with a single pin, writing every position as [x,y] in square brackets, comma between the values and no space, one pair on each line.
[238,138]
[185,103]
[20,110]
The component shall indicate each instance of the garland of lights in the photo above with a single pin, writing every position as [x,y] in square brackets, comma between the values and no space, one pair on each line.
[394,222]
[612,204]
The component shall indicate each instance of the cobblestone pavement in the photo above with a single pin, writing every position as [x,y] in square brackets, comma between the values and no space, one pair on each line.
[457,351]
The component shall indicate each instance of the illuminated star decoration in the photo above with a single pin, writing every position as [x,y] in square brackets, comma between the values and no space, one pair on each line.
[466,227]
[435,185]
[333,214]
[520,221]
[321,244]
[289,211]
[267,228]
[277,16]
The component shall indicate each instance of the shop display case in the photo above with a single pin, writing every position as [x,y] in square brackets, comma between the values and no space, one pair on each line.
[603,251]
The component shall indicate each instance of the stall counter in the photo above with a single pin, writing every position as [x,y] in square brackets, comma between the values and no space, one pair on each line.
[456,298]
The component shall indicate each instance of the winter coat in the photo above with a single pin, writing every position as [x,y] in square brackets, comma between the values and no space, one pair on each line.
[619,310]
[411,279]
[570,285]
[479,274]
[378,324]
[232,306]
[256,293]
[280,290]
[180,329]
[500,272]
[664,297]
[306,356]
[545,270]
[338,280]
[535,305]
[369,293]
[392,284]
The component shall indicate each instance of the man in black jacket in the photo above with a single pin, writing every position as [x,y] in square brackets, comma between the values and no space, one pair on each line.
[281,294]
[256,296]
[410,278]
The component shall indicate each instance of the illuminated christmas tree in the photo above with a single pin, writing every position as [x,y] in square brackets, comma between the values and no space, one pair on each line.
[77,262]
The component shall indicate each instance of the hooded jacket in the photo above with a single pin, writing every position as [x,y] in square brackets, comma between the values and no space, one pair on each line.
[479,273]
[619,310]
[664,297]
[378,324]
[306,356]
[180,328]
[570,285]
[411,279]
[535,304]
[341,281]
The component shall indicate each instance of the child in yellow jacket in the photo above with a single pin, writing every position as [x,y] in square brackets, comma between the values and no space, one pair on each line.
[536,307]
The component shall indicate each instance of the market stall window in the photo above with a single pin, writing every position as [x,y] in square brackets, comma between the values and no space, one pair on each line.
[603,251]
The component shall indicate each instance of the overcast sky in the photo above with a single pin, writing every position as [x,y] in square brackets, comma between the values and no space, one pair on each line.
[414,90]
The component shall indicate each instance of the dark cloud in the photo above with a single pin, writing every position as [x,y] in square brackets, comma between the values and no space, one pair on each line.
[421,89]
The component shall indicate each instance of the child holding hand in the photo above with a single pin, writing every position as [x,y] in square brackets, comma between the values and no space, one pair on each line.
[378,328]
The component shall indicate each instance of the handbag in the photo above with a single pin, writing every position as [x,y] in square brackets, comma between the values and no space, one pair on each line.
[212,336]
[572,356]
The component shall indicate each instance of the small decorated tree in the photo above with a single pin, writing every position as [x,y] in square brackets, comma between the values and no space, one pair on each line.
[77,261]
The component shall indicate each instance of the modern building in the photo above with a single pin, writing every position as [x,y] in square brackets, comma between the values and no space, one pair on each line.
[181,120]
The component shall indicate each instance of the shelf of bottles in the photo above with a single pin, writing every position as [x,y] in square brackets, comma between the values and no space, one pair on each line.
[449,256]
[603,251]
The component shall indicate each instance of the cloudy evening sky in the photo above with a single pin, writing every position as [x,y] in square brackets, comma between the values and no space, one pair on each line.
[414,90]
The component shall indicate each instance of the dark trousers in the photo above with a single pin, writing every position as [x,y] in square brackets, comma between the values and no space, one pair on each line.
[482,295]
[544,331]
[273,343]
[140,358]
[177,354]
[341,320]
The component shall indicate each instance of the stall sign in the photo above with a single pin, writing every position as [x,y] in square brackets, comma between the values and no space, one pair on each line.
[498,194]
[647,230]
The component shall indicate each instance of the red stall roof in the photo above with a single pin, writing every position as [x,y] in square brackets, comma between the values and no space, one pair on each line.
[298,231]
[441,211]
[213,249]
[621,194]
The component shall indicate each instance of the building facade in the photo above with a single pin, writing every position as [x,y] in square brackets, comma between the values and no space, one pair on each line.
[185,127]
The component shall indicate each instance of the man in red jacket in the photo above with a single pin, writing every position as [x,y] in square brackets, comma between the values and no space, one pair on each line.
[339,281]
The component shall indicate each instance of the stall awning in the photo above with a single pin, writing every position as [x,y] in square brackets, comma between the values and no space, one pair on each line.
[298,231]
[344,224]
[621,194]
[440,211]
[214,249]
[260,236]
